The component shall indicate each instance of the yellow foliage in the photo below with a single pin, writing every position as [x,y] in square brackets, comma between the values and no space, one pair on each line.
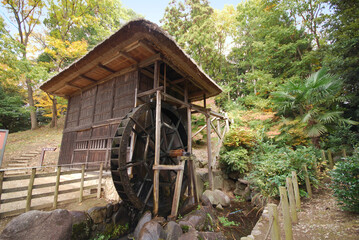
[237,137]
[61,50]
[44,102]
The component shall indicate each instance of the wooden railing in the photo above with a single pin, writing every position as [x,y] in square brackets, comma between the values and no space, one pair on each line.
[50,186]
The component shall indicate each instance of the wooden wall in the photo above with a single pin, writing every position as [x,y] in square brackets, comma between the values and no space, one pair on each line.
[88,129]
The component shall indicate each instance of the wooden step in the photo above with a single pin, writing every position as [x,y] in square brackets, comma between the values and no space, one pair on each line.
[20,161]
[28,155]
[22,158]
[17,165]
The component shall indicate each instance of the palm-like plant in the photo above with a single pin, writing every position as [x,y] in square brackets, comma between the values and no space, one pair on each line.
[315,101]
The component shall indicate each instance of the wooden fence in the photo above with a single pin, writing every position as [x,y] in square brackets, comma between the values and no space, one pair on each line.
[51,183]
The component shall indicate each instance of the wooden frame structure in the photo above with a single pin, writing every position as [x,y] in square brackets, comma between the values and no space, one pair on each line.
[138,64]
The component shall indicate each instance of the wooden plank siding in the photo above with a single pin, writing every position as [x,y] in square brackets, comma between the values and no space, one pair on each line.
[83,140]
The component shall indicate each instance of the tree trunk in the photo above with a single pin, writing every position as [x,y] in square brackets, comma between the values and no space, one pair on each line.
[30,98]
[54,113]
[315,141]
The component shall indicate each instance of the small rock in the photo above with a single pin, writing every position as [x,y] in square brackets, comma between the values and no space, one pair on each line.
[173,230]
[97,214]
[211,235]
[256,232]
[219,207]
[205,200]
[218,197]
[152,230]
[192,234]
[195,220]
[146,217]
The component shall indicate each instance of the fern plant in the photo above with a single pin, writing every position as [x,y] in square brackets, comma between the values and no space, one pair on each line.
[315,102]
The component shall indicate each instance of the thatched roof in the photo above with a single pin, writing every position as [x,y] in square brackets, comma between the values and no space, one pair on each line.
[136,44]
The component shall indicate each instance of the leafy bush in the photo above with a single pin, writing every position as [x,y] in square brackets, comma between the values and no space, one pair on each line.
[342,137]
[272,164]
[239,137]
[235,160]
[257,102]
[345,183]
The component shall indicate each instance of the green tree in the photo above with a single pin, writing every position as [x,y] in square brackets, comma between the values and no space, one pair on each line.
[26,17]
[269,49]
[315,101]
[342,57]
[92,20]
[200,31]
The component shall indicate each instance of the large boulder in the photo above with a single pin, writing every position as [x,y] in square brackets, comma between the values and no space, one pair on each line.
[217,197]
[97,214]
[40,225]
[173,230]
[146,217]
[152,230]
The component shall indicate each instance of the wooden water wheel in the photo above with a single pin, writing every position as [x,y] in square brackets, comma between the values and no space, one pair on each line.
[133,152]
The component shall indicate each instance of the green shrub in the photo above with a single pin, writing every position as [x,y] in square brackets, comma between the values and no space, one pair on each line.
[342,138]
[272,164]
[235,160]
[239,137]
[345,183]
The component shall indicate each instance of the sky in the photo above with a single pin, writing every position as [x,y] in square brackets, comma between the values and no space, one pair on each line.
[154,10]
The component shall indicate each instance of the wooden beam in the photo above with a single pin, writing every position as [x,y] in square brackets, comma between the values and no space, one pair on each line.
[178,81]
[87,78]
[71,85]
[156,75]
[156,175]
[145,46]
[125,55]
[177,193]
[106,68]
[209,153]
[149,92]
[168,167]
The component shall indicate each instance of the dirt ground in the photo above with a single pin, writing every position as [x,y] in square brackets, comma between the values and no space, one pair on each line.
[321,218]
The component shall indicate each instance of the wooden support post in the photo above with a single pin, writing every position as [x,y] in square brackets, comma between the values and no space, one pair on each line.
[293,210]
[219,131]
[99,186]
[189,142]
[273,221]
[209,152]
[286,215]
[330,159]
[2,173]
[296,190]
[178,187]
[82,182]
[29,189]
[56,192]
[227,122]
[307,182]
[344,153]
[156,174]
[323,156]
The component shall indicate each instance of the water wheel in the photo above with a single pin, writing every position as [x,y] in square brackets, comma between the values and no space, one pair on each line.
[132,156]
